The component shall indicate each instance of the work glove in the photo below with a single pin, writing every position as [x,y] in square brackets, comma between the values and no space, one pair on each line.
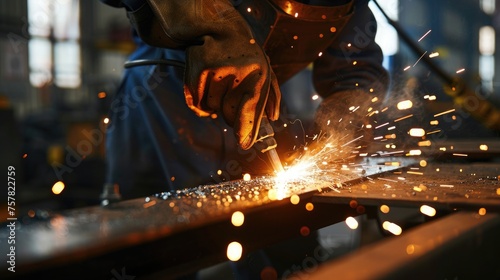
[227,72]
[342,126]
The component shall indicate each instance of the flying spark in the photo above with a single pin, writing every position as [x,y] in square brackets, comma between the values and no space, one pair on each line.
[351,223]
[247,177]
[234,251]
[384,209]
[415,152]
[58,187]
[428,210]
[434,131]
[403,118]
[392,153]
[425,143]
[444,113]
[433,54]
[353,140]
[419,58]
[386,179]
[404,105]
[427,33]
[417,132]
[392,228]
[382,125]
[237,219]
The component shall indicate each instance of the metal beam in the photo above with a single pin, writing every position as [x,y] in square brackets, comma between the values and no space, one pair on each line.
[174,236]
[463,245]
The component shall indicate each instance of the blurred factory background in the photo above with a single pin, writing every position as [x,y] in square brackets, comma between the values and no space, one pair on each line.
[61,61]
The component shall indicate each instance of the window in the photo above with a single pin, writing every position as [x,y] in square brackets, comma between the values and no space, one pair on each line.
[387,37]
[487,55]
[54,48]
[488,6]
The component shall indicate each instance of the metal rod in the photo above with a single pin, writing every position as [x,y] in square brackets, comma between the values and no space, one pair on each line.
[142,62]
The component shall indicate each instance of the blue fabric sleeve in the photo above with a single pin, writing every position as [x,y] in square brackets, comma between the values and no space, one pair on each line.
[354,61]
[133,5]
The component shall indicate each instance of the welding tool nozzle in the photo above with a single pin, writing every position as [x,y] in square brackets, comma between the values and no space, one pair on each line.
[266,143]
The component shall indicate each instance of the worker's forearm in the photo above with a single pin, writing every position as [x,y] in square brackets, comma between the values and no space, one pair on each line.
[354,62]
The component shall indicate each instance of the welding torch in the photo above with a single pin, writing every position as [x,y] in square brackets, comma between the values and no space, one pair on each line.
[265,143]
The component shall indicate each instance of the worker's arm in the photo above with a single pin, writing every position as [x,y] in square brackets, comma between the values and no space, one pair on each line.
[350,78]
[350,72]
[227,72]
[354,62]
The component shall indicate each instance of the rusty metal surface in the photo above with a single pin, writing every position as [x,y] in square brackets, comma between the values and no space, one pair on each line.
[441,185]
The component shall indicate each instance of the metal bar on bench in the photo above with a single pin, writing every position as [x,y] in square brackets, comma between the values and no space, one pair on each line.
[444,186]
[175,235]
[462,245]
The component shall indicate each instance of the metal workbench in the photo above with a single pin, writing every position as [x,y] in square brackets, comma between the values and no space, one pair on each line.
[176,233]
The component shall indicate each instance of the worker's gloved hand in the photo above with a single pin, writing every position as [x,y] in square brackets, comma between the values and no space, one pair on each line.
[227,72]
[231,75]
[341,123]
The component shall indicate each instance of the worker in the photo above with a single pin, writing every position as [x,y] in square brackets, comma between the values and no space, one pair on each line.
[177,127]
